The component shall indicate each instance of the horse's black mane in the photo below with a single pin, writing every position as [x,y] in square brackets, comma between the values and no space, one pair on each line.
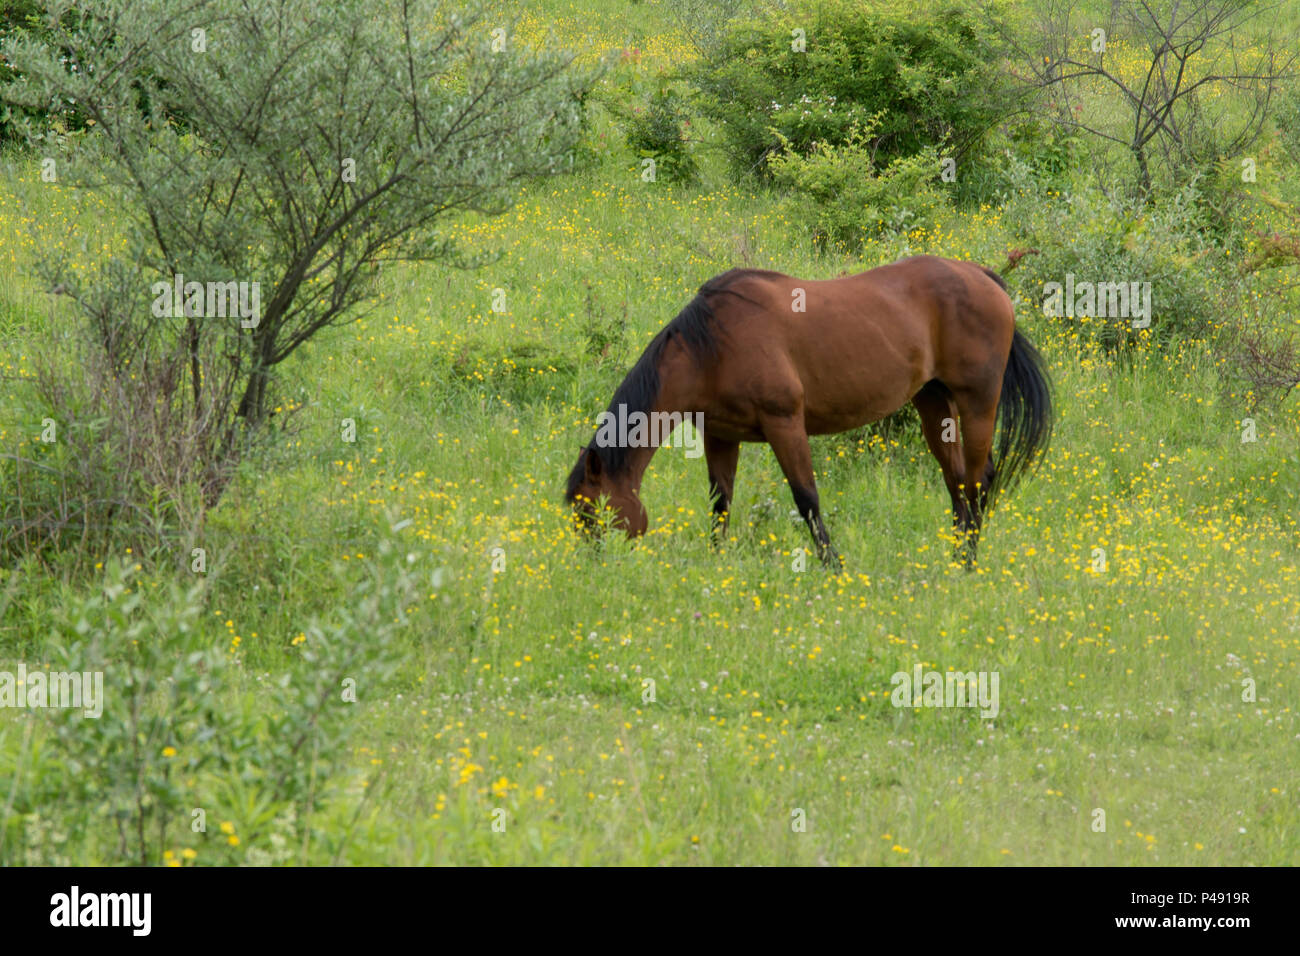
[694,326]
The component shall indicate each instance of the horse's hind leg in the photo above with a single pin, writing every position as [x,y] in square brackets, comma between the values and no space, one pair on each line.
[939,424]
[721,457]
[978,416]
[789,442]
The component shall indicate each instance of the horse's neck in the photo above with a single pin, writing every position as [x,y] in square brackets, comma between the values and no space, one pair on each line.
[638,460]
[679,384]
[639,456]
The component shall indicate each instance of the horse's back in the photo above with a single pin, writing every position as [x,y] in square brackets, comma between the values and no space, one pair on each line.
[856,348]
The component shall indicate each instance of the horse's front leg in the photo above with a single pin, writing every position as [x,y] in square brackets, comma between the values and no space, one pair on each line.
[789,442]
[721,457]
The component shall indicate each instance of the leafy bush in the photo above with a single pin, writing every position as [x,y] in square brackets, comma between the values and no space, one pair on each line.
[1260,364]
[655,130]
[1027,154]
[57,115]
[853,200]
[1286,119]
[1112,240]
[178,735]
[932,76]
[158,723]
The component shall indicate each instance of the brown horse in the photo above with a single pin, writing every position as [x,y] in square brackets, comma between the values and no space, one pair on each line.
[763,357]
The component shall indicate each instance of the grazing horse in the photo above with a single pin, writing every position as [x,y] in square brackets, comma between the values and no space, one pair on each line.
[764,357]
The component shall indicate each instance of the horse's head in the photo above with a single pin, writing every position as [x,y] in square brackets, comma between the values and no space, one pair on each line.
[591,483]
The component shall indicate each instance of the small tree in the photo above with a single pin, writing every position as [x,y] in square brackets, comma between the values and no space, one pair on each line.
[704,22]
[1208,70]
[289,143]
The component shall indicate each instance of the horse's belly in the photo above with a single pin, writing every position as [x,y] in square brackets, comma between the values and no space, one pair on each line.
[860,378]
[867,394]
[830,422]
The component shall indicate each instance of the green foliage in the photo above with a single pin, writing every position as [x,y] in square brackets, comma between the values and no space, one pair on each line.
[656,130]
[932,76]
[182,730]
[1286,119]
[1049,151]
[603,332]
[1100,239]
[705,22]
[115,463]
[131,768]
[852,200]
[518,369]
[1026,153]
[57,115]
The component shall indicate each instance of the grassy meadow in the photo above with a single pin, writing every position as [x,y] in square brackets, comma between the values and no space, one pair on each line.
[671,703]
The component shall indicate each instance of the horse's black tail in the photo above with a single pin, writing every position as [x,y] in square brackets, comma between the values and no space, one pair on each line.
[1024,416]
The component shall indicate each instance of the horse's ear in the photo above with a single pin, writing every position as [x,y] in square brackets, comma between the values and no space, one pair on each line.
[592,465]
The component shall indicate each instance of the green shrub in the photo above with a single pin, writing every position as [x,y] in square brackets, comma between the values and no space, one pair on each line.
[655,130]
[180,733]
[932,76]
[30,17]
[1286,119]
[853,201]
[1100,239]
[1025,154]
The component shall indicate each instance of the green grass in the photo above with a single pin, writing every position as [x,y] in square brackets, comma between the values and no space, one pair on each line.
[524,690]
